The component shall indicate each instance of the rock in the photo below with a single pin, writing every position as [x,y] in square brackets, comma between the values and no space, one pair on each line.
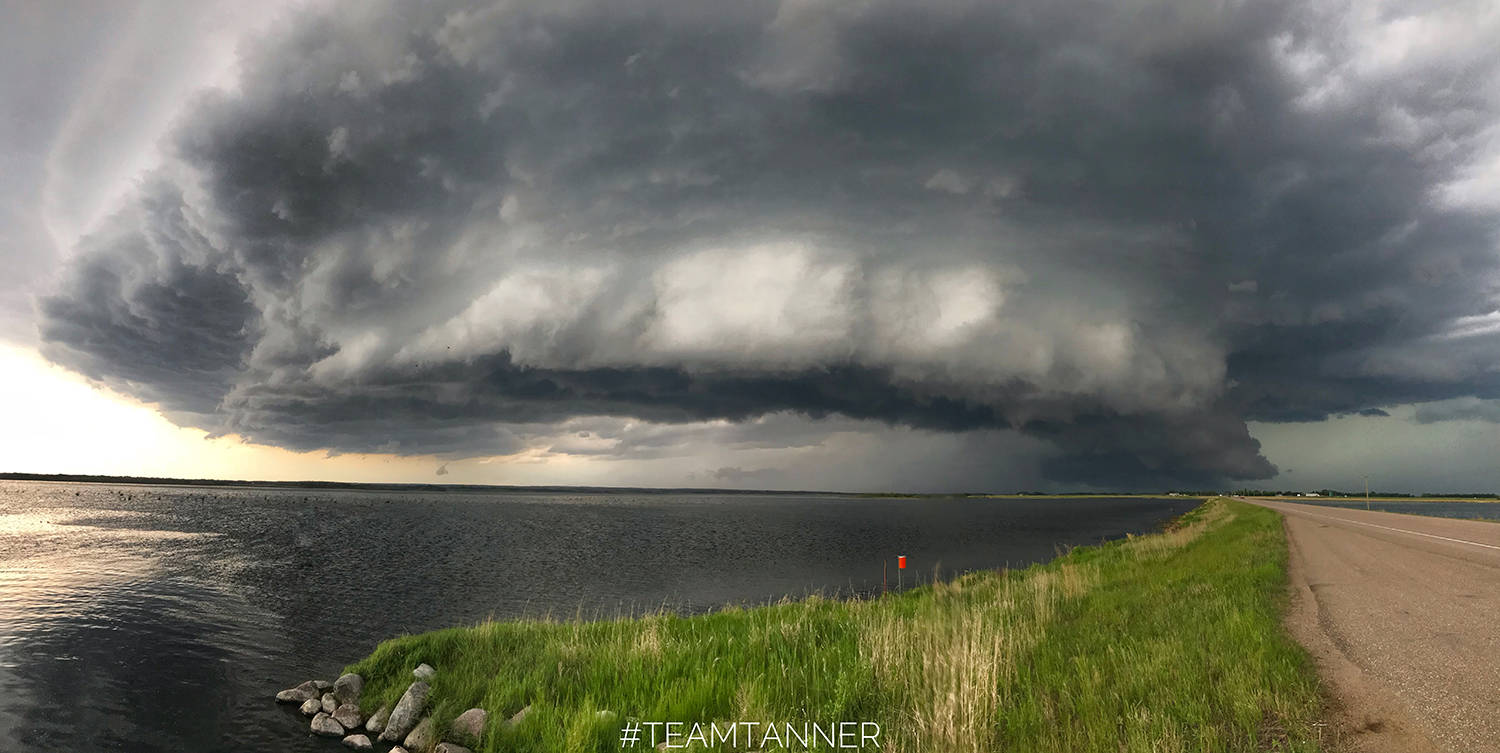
[323,724]
[347,714]
[468,727]
[330,704]
[404,716]
[424,672]
[450,748]
[422,736]
[323,685]
[298,694]
[513,721]
[347,688]
[376,722]
[397,749]
[358,742]
[312,707]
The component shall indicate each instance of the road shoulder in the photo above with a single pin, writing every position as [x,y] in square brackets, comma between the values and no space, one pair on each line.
[1362,716]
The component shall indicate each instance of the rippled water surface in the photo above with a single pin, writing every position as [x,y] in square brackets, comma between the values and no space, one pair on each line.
[161,618]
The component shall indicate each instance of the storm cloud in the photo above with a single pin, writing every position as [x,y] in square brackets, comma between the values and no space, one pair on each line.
[1122,228]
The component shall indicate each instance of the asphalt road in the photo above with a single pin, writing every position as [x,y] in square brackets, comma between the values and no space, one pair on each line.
[1402,614]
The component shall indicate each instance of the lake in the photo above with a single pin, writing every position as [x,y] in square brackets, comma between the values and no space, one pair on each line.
[165,618]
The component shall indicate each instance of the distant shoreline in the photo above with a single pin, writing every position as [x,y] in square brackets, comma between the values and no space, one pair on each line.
[407,487]
[424,487]
[86,478]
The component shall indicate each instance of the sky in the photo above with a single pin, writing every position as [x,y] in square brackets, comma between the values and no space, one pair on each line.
[865,245]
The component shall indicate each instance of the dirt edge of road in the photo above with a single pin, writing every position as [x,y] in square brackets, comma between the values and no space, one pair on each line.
[1362,717]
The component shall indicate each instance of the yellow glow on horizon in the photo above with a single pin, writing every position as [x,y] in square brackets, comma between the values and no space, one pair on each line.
[55,421]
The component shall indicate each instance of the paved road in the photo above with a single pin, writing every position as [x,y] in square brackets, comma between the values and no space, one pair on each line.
[1402,613]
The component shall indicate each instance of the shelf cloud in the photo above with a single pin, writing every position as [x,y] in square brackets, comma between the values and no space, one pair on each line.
[1124,229]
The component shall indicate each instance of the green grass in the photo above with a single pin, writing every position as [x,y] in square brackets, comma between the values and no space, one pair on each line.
[1168,642]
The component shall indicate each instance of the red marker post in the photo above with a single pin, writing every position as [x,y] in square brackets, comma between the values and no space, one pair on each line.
[900,565]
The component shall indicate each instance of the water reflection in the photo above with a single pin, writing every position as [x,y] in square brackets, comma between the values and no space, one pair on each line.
[104,640]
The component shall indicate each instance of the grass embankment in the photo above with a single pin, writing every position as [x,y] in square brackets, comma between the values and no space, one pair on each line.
[1168,642]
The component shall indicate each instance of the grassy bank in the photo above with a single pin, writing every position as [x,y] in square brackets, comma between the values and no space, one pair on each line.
[1169,642]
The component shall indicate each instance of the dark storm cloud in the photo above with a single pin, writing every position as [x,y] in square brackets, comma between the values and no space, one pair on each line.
[151,309]
[1124,228]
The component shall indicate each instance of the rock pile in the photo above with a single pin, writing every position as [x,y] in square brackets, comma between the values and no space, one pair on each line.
[334,708]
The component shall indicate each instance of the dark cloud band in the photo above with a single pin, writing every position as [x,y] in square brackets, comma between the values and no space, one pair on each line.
[1124,230]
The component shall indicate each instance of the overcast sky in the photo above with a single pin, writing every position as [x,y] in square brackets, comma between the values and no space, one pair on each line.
[860,245]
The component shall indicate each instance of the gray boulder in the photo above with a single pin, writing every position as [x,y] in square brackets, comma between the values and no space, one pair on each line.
[450,748]
[424,672]
[311,707]
[348,687]
[323,685]
[330,704]
[397,749]
[514,720]
[348,715]
[298,694]
[323,724]
[422,737]
[406,713]
[358,742]
[376,722]
[468,727]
